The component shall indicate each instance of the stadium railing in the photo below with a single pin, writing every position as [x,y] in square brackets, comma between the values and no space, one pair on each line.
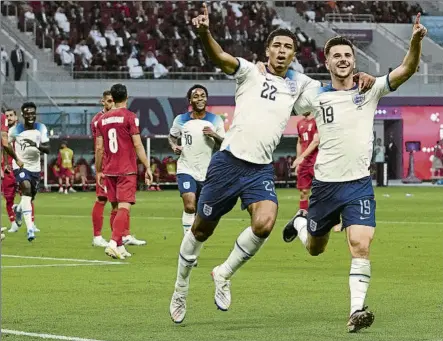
[349,17]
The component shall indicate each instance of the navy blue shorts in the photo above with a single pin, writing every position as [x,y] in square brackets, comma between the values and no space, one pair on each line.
[187,184]
[25,175]
[352,200]
[229,178]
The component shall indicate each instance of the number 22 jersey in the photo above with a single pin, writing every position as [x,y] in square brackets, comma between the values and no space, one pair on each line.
[197,148]
[117,127]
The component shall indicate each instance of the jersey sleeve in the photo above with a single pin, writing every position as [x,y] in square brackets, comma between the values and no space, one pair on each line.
[381,87]
[304,102]
[44,134]
[134,124]
[220,127]
[307,83]
[243,70]
[175,130]
[11,134]
[4,127]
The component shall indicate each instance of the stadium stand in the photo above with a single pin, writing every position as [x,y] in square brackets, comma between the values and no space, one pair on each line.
[152,40]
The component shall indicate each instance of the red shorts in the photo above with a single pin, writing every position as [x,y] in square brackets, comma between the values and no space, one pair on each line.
[9,185]
[305,175]
[121,188]
[64,172]
[99,191]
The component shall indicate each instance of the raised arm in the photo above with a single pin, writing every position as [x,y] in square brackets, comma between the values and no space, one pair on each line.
[224,60]
[412,59]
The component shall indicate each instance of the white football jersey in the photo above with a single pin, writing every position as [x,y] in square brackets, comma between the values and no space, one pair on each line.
[345,121]
[263,107]
[29,155]
[197,148]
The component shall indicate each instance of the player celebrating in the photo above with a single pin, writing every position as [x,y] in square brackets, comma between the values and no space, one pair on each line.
[342,185]
[200,131]
[243,168]
[30,139]
[118,138]
[102,197]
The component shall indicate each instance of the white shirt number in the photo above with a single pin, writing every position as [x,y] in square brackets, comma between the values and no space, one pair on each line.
[113,144]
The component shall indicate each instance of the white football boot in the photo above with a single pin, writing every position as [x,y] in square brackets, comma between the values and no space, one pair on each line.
[131,240]
[177,308]
[222,297]
[99,241]
[112,250]
[123,251]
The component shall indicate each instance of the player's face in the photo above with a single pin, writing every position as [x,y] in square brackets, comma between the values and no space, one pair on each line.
[29,115]
[280,52]
[12,118]
[198,100]
[107,102]
[341,61]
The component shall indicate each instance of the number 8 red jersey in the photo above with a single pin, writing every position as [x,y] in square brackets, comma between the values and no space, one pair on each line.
[116,128]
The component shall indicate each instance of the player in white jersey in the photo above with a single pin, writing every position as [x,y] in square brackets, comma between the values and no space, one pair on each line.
[30,140]
[342,184]
[199,132]
[243,168]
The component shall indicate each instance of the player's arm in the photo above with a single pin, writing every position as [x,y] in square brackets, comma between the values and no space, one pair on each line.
[299,148]
[44,147]
[412,59]
[174,135]
[140,151]
[225,61]
[312,146]
[99,151]
[8,149]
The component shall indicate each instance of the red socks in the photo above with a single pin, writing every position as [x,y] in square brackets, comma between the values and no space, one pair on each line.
[119,225]
[112,217]
[9,204]
[97,218]
[304,204]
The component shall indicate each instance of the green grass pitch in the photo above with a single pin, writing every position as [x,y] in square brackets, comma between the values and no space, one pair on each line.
[281,294]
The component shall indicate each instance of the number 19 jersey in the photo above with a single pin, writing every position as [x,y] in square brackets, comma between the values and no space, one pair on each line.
[345,120]
[197,148]
[116,127]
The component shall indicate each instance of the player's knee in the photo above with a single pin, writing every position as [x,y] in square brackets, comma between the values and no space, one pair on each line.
[359,248]
[262,226]
[304,194]
[316,250]
[203,229]
[25,187]
[189,207]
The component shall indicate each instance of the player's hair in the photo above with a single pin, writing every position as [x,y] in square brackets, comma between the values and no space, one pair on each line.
[281,32]
[28,105]
[338,40]
[9,109]
[119,93]
[106,93]
[196,86]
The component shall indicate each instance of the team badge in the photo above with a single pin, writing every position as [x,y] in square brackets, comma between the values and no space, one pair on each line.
[207,210]
[358,99]
[22,174]
[313,225]
[186,185]
[292,85]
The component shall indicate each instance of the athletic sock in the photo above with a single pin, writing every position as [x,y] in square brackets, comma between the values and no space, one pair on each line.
[97,218]
[189,251]
[187,221]
[359,278]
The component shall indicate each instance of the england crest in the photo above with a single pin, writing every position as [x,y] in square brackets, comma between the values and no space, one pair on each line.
[292,85]
[207,210]
[358,99]
[186,185]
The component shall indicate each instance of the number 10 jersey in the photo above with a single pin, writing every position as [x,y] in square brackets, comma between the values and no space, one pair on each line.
[197,148]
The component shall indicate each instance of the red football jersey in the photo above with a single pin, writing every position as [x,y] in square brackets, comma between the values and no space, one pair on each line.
[93,125]
[4,123]
[117,127]
[306,131]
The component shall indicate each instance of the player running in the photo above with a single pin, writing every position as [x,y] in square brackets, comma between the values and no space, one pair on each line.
[30,140]
[243,168]
[118,138]
[343,185]
[102,196]
[199,132]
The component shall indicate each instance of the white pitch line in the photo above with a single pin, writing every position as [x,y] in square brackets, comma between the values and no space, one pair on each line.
[45,336]
[63,259]
[58,265]
[238,219]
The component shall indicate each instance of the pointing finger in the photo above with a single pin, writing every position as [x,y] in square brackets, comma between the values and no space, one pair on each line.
[205,9]
[417,19]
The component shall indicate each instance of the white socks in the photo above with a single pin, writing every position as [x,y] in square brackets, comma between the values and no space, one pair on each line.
[187,221]
[26,208]
[301,225]
[359,278]
[246,246]
[189,251]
